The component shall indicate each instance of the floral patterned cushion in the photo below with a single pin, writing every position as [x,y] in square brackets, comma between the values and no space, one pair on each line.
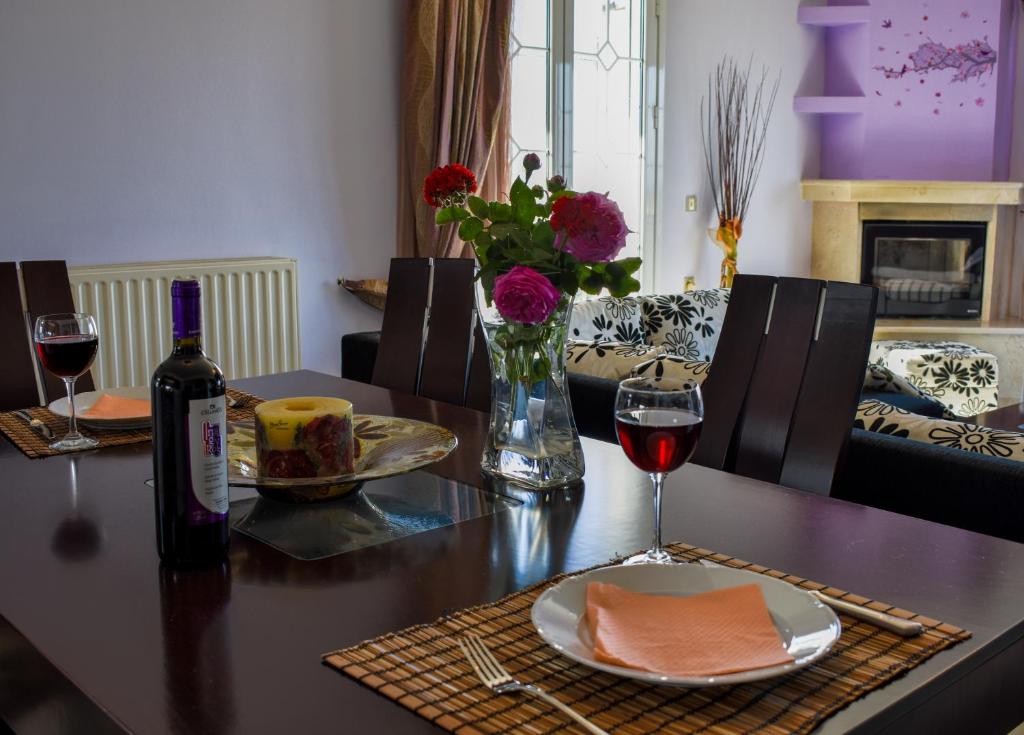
[606,320]
[882,379]
[885,419]
[962,377]
[671,366]
[613,360]
[687,324]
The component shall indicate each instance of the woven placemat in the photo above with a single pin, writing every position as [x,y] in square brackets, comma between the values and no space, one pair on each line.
[33,445]
[423,669]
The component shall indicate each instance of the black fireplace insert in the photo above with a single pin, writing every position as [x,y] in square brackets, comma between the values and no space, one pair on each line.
[925,269]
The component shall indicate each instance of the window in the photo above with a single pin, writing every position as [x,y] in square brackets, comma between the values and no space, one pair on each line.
[585,91]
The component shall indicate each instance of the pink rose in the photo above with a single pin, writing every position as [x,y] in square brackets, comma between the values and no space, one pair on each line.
[593,226]
[523,295]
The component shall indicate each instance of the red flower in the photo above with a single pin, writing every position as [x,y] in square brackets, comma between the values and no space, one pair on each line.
[448,185]
[595,230]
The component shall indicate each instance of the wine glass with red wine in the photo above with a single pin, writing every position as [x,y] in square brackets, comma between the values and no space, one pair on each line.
[658,422]
[66,345]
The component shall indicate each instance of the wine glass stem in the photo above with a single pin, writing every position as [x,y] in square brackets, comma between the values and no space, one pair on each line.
[69,383]
[658,479]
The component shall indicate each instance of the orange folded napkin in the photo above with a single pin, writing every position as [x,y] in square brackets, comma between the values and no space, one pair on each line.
[115,407]
[711,633]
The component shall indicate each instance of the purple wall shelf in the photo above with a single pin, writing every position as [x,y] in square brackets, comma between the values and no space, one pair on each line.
[913,89]
[829,16]
[830,104]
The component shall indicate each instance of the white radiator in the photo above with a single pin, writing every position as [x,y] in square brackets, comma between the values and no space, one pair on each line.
[250,315]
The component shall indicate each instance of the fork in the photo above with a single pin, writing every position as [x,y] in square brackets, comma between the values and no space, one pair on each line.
[36,424]
[496,678]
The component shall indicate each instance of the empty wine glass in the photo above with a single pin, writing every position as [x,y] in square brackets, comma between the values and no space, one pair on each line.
[66,345]
[658,422]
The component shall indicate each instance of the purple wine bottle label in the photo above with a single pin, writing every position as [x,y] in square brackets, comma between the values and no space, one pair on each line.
[208,461]
[185,313]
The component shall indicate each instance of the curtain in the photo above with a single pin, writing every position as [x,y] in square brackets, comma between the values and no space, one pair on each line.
[455,109]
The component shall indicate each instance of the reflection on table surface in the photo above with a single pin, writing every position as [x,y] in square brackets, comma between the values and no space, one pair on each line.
[380,512]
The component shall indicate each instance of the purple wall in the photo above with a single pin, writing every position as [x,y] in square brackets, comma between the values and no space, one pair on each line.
[938,82]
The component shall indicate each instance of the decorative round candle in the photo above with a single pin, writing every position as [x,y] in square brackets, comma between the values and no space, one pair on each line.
[304,437]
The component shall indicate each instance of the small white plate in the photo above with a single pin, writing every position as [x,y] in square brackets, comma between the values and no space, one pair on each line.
[807,628]
[84,401]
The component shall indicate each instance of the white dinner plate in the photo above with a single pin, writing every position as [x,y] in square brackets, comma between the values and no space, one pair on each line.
[807,628]
[84,401]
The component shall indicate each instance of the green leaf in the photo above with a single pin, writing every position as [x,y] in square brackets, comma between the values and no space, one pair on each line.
[523,204]
[568,282]
[543,236]
[630,265]
[501,230]
[615,272]
[624,287]
[592,283]
[500,212]
[444,216]
[522,240]
[470,228]
[460,214]
[478,207]
[483,241]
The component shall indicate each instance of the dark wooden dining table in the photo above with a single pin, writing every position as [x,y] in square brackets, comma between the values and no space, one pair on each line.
[95,637]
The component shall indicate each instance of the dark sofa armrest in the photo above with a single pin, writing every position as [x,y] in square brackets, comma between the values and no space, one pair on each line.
[942,484]
[358,354]
[593,405]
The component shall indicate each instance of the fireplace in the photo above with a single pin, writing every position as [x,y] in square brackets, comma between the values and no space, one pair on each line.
[925,269]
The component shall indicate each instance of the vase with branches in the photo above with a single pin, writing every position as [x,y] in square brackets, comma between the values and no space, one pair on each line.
[734,127]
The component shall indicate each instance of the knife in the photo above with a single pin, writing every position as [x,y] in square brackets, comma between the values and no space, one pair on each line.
[899,626]
[35,424]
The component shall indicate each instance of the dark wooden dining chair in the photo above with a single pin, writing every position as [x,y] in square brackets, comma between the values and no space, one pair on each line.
[785,379]
[48,291]
[18,387]
[427,341]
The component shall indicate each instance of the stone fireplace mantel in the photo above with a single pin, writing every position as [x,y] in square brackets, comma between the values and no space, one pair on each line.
[992,193]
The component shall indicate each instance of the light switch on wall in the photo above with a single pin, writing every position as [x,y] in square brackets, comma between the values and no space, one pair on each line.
[691,203]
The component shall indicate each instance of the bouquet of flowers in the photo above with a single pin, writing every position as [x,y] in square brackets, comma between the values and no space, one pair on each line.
[535,252]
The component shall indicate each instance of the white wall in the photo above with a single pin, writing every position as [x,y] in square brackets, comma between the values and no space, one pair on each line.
[165,129]
[777,232]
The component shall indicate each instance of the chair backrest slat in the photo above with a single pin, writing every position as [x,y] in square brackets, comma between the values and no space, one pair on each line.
[779,403]
[401,341]
[775,385]
[821,426]
[736,354]
[431,344]
[17,376]
[449,332]
[48,291]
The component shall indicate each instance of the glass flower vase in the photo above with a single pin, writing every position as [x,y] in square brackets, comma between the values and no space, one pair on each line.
[532,439]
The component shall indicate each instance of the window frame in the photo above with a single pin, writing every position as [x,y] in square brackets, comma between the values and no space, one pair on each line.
[560,35]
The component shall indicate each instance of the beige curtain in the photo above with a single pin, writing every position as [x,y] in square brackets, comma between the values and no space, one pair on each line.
[455,109]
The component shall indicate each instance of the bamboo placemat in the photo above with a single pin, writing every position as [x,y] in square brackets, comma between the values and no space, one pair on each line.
[423,669]
[29,441]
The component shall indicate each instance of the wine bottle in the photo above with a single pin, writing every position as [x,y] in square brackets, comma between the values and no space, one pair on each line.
[189,434]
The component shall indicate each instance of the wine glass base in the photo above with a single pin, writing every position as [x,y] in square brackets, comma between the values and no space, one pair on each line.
[653,556]
[74,443]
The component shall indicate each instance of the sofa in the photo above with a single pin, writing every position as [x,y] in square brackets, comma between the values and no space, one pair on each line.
[906,453]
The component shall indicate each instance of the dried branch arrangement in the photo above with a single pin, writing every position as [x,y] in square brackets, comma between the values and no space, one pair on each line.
[734,128]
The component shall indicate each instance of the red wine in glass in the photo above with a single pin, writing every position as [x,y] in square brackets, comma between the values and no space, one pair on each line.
[658,422]
[658,439]
[66,345]
[67,356]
